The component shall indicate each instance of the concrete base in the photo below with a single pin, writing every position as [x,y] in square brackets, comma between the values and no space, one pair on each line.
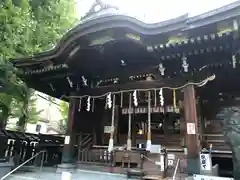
[129,144]
[110,145]
[149,145]
[193,166]
[66,167]
[5,167]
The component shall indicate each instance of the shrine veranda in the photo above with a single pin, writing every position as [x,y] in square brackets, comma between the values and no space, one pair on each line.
[137,85]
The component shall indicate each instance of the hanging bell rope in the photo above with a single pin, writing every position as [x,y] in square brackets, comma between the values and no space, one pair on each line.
[93,104]
[121,101]
[174,100]
[129,140]
[111,139]
[79,105]
[155,97]
[149,138]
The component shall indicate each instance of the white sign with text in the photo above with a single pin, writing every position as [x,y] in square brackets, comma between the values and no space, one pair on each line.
[191,129]
[205,162]
[204,177]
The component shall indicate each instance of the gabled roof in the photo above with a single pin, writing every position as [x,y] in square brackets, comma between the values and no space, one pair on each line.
[95,23]
[76,57]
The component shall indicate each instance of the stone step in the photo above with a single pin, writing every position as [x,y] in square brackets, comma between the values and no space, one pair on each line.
[78,174]
[75,176]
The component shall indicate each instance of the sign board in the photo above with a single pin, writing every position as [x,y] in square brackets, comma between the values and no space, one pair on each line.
[191,128]
[107,129]
[66,176]
[155,148]
[67,140]
[204,177]
[171,158]
[162,166]
[170,162]
[205,162]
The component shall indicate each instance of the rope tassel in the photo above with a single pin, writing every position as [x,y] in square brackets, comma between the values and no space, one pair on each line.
[111,141]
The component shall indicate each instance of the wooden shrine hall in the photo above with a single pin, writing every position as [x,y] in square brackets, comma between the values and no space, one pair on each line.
[133,86]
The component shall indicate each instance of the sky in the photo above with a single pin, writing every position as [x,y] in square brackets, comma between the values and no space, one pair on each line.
[152,11]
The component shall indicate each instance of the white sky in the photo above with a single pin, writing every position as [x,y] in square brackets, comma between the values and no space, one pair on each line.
[152,11]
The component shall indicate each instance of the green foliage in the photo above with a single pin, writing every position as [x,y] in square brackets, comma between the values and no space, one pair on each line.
[64,106]
[54,18]
[27,27]
[29,111]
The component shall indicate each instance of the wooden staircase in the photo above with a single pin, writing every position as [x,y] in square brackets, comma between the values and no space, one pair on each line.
[168,141]
[218,142]
[213,134]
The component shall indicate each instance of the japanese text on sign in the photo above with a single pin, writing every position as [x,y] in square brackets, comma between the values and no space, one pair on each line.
[204,177]
[191,129]
[205,162]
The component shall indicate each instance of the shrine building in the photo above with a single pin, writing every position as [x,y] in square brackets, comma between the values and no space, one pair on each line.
[133,86]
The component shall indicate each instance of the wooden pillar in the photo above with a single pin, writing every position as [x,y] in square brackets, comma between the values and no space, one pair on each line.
[68,147]
[116,132]
[134,130]
[182,126]
[192,140]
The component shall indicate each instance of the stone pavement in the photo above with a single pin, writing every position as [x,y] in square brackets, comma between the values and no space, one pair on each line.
[78,175]
[85,173]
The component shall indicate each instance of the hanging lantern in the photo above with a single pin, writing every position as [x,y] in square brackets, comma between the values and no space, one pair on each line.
[185,65]
[161,69]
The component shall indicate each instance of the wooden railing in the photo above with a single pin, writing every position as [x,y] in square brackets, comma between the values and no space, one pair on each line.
[85,141]
[96,157]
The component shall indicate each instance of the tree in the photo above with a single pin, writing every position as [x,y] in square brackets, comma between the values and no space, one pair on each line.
[26,111]
[28,27]
[12,88]
[53,19]
[64,107]
[13,27]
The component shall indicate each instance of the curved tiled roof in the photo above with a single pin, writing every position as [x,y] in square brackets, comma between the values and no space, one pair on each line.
[110,20]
